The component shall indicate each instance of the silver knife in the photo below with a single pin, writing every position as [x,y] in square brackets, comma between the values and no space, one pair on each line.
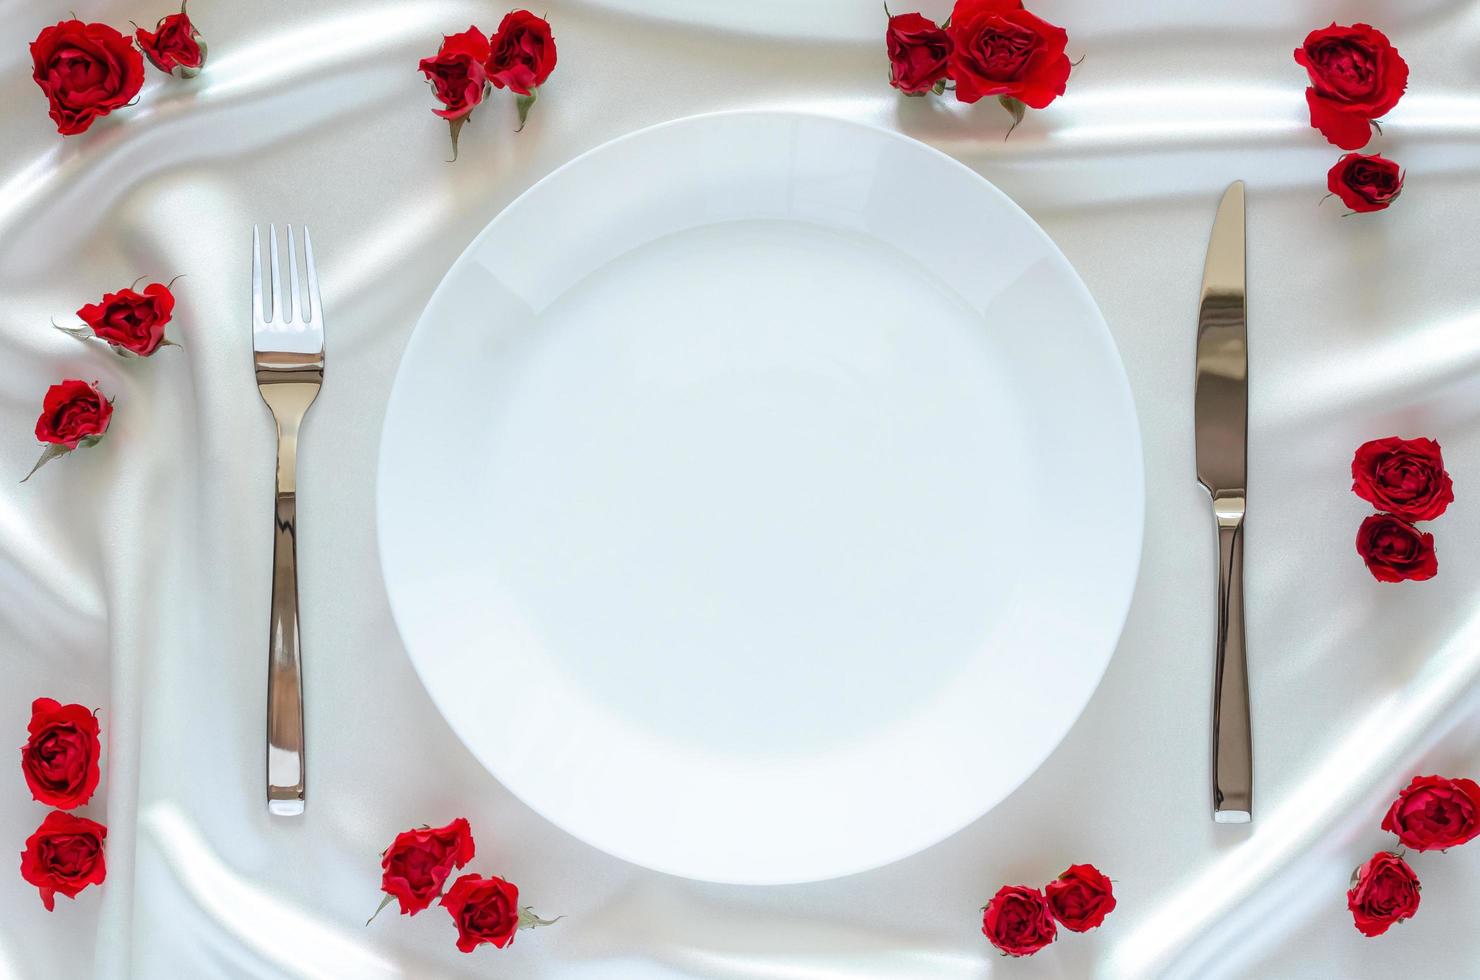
[1221,421]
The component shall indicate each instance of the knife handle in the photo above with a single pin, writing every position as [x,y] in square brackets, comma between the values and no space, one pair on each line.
[1233,748]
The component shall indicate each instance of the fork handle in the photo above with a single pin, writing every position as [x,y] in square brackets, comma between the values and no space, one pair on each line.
[285,756]
[285,770]
[1233,748]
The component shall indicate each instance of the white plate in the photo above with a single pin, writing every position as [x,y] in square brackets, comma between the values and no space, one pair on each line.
[760,497]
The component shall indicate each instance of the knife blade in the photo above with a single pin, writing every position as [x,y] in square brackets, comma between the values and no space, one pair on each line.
[1220,423]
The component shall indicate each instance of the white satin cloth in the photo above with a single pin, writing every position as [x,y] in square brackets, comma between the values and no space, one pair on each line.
[135,574]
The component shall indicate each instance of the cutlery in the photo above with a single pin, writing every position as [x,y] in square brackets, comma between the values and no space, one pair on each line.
[288,349]
[1221,421]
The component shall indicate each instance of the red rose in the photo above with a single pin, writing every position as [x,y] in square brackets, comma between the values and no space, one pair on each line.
[64,855]
[1356,76]
[1365,183]
[86,71]
[1384,891]
[1017,921]
[1434,813]
[1404,477]
[523,52]
[60,759]
[458,76]
[72,412]
[175,46]
[1080,898]
[1000,49]
[1395,550]
[418,863]
[486,910]
[131,320]
[917,53]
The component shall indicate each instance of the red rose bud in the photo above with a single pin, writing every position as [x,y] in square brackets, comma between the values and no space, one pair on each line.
[1395,550]
[523,52]
[1080,898]
[60,758]
[74,413]
[918,50]
[1017,921]
[131,322]
[1434,813]
[457,74]
[419,862]
[174,47]
[998,48]
[459,77]
[1384,891]
[1404,477]
[64,856]
[1365,183]
[486,910]
[1356,76]
[522,58]
[86,71]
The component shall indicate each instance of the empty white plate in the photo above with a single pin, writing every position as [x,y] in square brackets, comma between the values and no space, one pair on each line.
[760,497]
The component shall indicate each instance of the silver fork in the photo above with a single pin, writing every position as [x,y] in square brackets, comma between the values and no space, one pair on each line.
[288,348]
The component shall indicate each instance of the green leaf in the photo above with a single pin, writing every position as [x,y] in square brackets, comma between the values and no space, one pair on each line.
[1016,107]
[455,126]
[528,920]
[50,453]
[525,102]
[383,903]
[82,332]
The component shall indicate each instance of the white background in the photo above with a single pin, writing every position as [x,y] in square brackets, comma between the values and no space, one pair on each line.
[135,574]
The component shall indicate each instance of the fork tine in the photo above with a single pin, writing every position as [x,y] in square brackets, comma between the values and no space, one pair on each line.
[258,315]
[277,275]
[316,313]
[293,307]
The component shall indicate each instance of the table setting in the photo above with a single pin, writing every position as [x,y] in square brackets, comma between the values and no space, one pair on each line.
[785,490]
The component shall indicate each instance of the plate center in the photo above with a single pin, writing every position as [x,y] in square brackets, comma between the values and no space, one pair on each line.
[757,484]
